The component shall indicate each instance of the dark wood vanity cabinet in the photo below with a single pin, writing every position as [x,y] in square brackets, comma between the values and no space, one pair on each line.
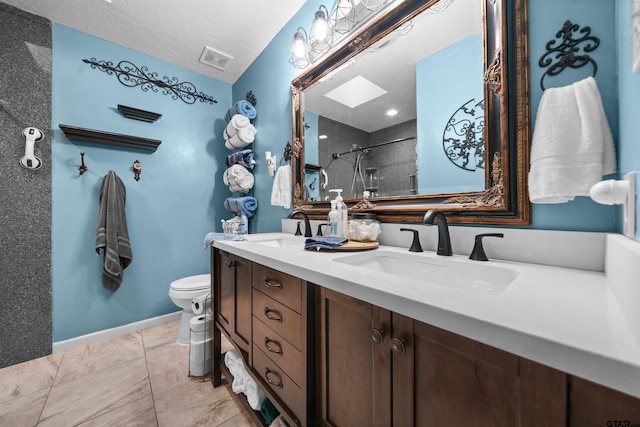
[379,368]
[325,358]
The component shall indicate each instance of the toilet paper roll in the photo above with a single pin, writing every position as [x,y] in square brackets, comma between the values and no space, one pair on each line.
[200,328]
[200,351]
[199,369]
[201,304]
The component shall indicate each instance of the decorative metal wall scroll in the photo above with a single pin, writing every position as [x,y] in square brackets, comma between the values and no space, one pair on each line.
[251,98]
[463,137]
[564,53]
[131,75]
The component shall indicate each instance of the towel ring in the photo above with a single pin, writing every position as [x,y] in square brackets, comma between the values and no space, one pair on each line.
[565,52]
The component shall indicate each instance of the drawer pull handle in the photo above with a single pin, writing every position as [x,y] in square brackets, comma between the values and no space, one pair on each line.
[267,341]
[275,384]
[272,283]
[277,317]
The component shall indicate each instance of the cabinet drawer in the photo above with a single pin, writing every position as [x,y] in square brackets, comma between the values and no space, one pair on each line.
[280,384]
[279,318]
[279,286]
[279,351]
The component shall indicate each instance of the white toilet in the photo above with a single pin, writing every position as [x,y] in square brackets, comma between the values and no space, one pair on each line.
[182,292]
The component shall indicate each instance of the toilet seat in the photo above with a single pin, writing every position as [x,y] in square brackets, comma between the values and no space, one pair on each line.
[191,283]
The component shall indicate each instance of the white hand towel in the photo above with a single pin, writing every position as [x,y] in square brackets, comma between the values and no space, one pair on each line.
[238,178]
[281,189]
[255,395]
[572,146]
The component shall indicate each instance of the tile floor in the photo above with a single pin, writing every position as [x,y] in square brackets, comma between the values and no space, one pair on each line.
[139,379]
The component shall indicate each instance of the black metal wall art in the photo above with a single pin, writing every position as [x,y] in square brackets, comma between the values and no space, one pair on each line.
[564,54]
[131,75]
[463,136]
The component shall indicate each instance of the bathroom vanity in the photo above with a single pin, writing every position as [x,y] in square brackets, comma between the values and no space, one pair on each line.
[336,339]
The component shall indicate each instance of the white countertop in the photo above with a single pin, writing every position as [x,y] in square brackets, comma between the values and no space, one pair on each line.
[565,318]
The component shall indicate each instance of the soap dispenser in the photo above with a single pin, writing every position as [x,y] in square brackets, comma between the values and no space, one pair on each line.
[333,219]
[343,214]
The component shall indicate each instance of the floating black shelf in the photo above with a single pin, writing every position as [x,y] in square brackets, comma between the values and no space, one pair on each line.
[74,133]
[137,114]
[312,167]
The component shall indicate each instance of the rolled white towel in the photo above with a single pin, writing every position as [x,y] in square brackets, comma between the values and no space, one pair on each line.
[238,178]
[255,395]
[242,138]
[231,359]
[237,122]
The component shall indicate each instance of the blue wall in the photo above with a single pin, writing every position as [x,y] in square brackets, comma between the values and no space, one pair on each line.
[546,17]
[176,202]
[453,76]
[628,102]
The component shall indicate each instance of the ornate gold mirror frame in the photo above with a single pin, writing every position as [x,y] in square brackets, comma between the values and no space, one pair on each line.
[506,81]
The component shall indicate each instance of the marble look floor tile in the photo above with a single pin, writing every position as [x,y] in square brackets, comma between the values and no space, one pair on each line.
[168,365]
[95,357]
[161,335]
[195,403]
[24,410]
[80,400]
[28,377]
[138,413]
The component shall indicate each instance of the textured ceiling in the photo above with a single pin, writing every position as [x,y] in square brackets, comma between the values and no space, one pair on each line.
[176,31]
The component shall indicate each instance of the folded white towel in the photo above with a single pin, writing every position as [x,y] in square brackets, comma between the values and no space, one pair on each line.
[242,138]
[281,189]
[255,395]
[572,146]
[238,178]
[237,122]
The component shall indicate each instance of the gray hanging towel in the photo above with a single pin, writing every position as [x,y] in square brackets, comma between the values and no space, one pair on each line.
[112,234]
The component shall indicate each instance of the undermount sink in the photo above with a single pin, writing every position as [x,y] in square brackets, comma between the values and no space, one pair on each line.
[469,276]
[277,240]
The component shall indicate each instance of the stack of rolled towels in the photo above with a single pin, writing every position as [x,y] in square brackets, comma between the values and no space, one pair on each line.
[242,381]
[238,176]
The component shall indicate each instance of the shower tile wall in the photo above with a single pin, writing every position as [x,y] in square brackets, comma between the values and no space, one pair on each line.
[396,162]
[25,196]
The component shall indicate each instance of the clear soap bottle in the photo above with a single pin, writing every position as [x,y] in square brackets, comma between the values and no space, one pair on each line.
[343,214]
[333,219]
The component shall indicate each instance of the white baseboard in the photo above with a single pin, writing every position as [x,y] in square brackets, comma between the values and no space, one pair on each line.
[115,332]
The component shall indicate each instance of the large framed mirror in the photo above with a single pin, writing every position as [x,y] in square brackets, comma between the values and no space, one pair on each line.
[456,72]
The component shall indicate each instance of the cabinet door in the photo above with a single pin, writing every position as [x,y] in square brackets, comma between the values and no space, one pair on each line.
[225,288]
[233,305]
[354,377]
[596,405]
[441,378]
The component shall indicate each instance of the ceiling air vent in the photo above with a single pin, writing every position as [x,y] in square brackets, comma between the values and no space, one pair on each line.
[214,58]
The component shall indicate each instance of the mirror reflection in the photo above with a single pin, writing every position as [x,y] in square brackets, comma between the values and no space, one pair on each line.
[404,117]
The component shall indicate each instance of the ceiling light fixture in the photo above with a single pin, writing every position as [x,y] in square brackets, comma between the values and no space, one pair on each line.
[392,112]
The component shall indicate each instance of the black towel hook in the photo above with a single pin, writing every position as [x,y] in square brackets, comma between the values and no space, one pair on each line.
[564,53]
